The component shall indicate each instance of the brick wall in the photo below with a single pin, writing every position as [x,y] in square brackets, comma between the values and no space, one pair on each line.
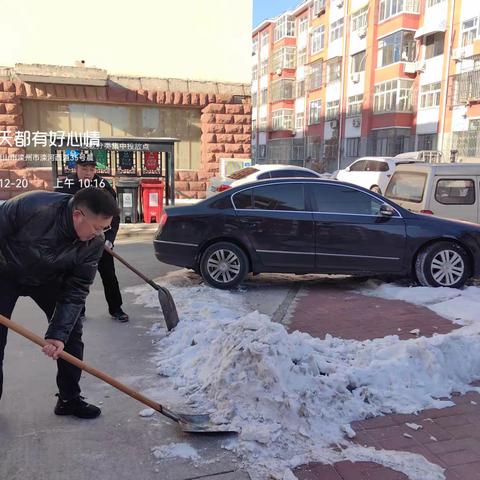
[225,125]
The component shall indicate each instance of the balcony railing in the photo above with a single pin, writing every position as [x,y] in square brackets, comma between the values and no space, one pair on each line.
[466,87]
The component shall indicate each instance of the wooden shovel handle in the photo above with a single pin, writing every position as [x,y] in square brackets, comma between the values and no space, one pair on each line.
[131,267]
[24,332]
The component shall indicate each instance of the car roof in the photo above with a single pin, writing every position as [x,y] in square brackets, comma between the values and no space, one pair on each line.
[278,166]
[452,168]
[380,159]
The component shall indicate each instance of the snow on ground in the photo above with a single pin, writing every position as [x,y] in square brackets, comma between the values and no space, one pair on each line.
[292,396]
[175,450]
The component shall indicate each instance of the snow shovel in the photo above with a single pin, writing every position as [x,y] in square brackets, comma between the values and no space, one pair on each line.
[164,296]
[188,423]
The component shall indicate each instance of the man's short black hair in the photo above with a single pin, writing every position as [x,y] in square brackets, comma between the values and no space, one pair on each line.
[97,200]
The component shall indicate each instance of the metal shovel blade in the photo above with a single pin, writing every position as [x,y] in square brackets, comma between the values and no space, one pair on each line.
[168,307]
[197,423]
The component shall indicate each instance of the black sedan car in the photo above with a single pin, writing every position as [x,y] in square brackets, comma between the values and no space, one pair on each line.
[295,225]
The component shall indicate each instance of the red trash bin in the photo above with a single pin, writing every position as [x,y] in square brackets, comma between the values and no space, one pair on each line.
[152,200]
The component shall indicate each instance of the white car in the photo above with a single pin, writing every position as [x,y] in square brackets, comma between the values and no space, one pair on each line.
[258,172]
[372,172]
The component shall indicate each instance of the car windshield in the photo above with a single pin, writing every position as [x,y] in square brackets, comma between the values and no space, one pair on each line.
[407,186]
[242,173]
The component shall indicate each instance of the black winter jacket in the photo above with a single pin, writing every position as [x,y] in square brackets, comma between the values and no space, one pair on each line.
[39,246]
[72,185]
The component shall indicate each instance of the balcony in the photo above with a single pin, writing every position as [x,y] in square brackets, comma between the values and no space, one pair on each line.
[466,87]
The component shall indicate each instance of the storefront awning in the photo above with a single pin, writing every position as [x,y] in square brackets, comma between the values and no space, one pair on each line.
[431,28]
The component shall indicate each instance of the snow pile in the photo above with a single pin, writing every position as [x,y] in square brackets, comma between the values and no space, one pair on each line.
[292,396]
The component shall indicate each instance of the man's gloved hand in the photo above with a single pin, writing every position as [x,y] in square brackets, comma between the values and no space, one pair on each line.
[108,243]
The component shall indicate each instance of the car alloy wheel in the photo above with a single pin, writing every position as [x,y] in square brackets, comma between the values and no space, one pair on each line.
[447,268]
[223,265]
[443,264]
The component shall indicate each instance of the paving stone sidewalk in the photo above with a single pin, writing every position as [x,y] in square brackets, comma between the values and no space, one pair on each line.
[450,437]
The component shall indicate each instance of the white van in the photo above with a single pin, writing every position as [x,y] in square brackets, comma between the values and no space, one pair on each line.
[449,190]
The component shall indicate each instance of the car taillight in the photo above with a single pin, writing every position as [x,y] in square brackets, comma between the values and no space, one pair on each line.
[163,219]
[427,212]
[222,188]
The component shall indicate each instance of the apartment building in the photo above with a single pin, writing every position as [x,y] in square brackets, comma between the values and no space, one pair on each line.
[333,80]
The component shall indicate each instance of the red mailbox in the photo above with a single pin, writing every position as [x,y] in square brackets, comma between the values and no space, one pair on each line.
[152,200]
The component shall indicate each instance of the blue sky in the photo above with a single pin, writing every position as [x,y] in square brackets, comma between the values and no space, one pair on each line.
[263,9]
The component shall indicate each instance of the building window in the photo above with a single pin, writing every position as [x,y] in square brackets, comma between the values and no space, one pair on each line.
[334,69]
[315,75]
[265,39]
[255,46]
[469,31]
[262,124]
[389,8]
[336,30]
[299,119]
[434,45]
[355,104]
[284,27]
[333,109]
[318,7]
[282,90]
[430,95]
[389,142]
[284,58]
[358,62]
[254,99]
[254,72]
[393,96]
[300,88]
[263,96]
[399,46]
[352,147]
[302,24]
[427,142]
[314,111]
[264,67]
[302,57]
[282,119]
[262,151]
[359,19]
[431,3]
[317,40]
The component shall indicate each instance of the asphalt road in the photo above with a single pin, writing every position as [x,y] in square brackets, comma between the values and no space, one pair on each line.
[37,445]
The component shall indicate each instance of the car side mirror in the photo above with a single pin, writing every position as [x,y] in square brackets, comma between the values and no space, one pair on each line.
[386,210]
[347,169]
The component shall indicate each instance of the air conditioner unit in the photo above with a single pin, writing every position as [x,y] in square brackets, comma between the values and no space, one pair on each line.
[362,32]
[420,66]
[278,71]
[355,77]
[356,122]
[339,3]
[230,165]
[333,123]
[410,67]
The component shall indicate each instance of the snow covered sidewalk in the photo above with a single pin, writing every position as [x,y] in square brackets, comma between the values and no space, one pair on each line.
[301,392]
[447,437]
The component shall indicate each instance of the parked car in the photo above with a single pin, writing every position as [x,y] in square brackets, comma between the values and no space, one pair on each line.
[432,156]
[448,190]
[257,172]
[372,173]
[314,226]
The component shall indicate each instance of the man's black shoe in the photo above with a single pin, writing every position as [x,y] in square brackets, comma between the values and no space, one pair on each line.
[119,316]
[76,407]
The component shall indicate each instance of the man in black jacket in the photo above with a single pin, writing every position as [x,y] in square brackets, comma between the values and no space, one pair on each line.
[50,245]
[84,177]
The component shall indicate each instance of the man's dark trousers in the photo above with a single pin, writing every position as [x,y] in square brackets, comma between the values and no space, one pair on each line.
[106,269]
[68,376]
